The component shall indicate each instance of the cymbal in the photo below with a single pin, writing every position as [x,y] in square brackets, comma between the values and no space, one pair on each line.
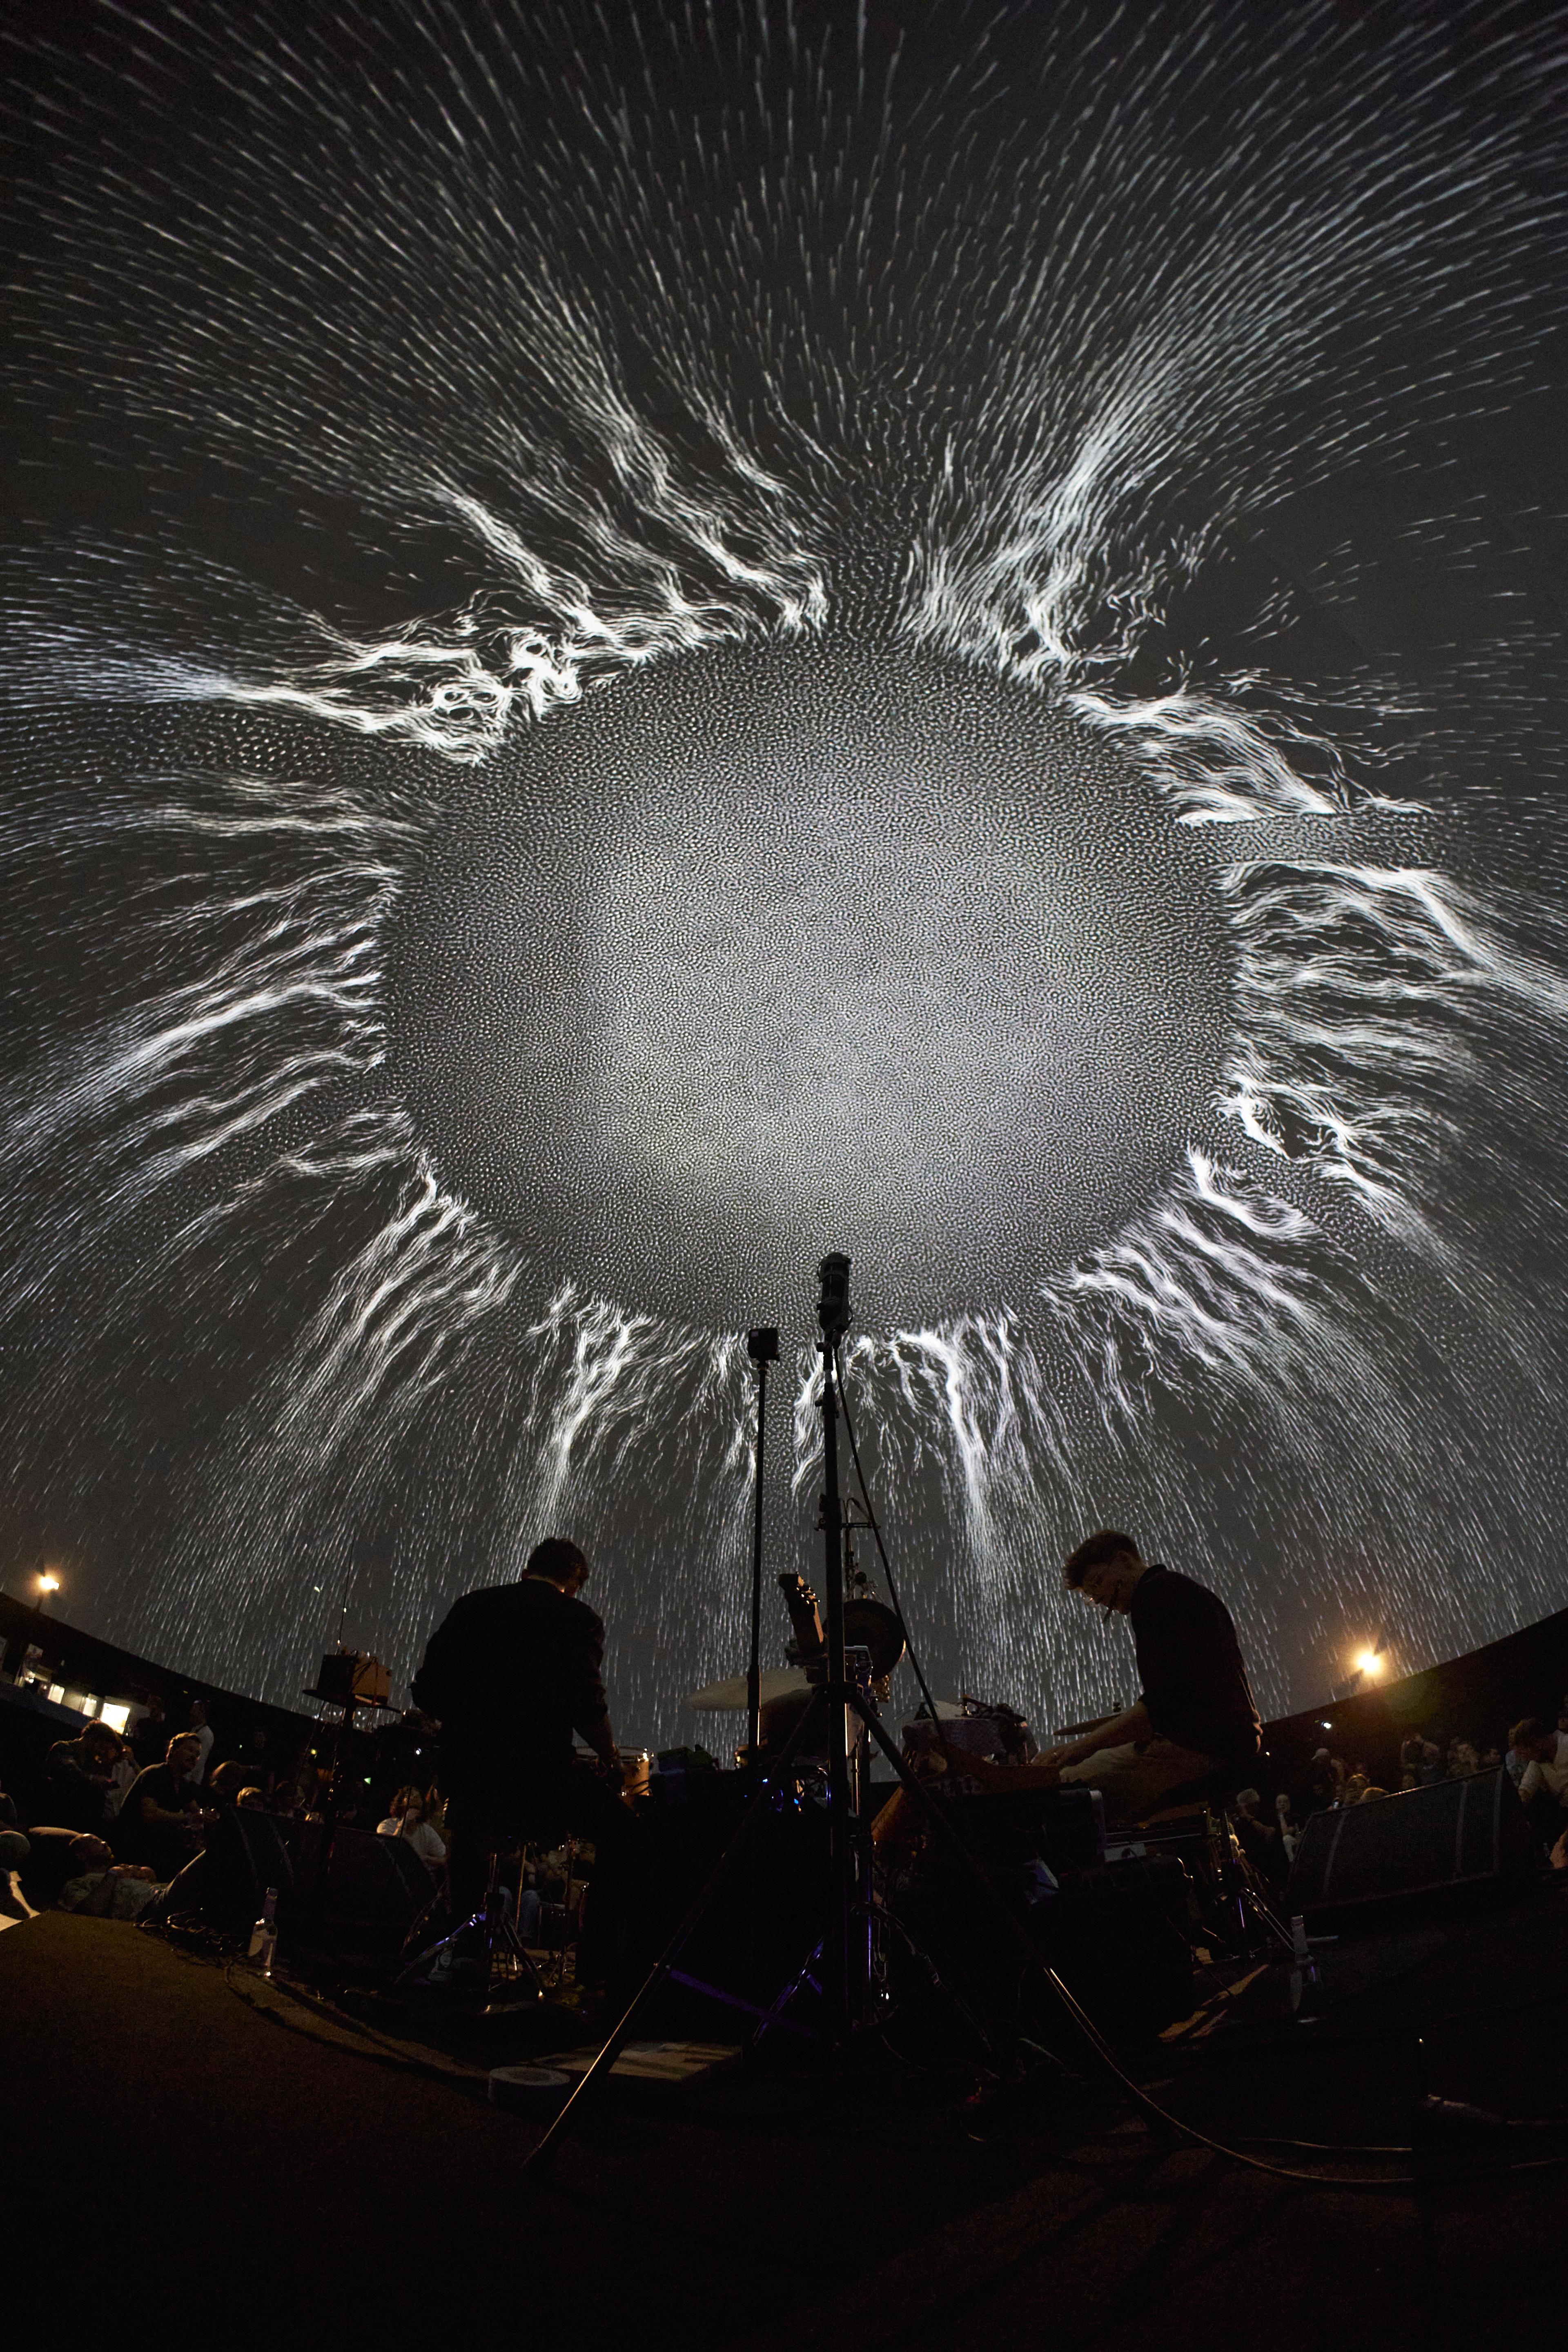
[730,1695]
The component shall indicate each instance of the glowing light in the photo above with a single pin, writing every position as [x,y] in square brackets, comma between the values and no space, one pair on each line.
[49,1581]
[1370,1663]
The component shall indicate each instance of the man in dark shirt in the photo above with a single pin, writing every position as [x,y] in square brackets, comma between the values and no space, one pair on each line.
[1196,1714]
[79,1779]
[510,1674]
[159,1820]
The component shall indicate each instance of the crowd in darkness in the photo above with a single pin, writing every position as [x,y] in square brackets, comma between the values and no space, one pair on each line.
[140,1807]
[1535,1757]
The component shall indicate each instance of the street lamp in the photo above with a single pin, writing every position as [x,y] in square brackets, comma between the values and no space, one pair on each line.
[48,1582]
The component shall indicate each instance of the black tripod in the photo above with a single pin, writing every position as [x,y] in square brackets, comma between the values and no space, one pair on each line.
[847,1952]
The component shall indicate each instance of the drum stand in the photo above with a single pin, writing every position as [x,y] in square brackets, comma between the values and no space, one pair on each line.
[490,1942]
[847,1974]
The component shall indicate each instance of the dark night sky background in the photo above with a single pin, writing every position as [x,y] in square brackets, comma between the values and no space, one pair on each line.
[640,648]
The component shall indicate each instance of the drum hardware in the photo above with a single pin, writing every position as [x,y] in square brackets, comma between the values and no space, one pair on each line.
[847,1962]
[1234,1906]
[484,1955]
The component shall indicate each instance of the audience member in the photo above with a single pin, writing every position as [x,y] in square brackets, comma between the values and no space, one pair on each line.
[124,1772]
[202,1733]
[260,1764]
[1543,1783]
[1260,1841]
[102,1888]
[150,1738]
[225,1782]
[406,1820]
[13,1851]
[159,1821]
[251,1800]
[79,1776]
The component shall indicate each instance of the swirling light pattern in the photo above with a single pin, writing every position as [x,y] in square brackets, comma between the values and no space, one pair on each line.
[644,643]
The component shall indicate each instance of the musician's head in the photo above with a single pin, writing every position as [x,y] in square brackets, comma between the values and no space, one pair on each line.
[559,1561]
[1106,1569]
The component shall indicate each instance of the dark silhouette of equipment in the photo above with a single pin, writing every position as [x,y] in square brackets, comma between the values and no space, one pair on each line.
[1458,1840]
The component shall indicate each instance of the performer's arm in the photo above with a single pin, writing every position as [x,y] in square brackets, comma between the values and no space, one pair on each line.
[592,1720]
[602,1740]
[1122,1730]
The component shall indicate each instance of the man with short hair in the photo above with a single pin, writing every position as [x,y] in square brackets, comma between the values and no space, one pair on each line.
[1196,1716]
[510,1674]
[159,1819]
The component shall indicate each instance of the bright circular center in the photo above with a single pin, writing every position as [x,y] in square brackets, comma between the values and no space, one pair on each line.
[760,953]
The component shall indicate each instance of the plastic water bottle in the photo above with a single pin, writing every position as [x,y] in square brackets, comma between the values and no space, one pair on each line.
[264,1934]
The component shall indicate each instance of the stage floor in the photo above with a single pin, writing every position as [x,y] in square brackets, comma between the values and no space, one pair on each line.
[180,2157]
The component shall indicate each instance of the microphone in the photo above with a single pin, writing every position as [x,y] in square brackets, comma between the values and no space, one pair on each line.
[832,1308]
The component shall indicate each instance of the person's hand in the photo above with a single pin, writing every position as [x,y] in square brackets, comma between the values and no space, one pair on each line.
[1055,1758]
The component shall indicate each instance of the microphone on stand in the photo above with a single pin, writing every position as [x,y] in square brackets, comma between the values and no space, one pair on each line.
[833,1307]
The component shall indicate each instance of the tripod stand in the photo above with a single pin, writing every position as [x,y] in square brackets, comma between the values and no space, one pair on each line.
[485,1951]
[847,1950]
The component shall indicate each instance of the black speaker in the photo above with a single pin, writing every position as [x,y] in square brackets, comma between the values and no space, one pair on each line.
[226,1885]
[376,1887]
[1458,1838]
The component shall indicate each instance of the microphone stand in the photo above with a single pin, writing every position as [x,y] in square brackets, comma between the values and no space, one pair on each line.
[848,1972]
[762,1346]
[847,1980]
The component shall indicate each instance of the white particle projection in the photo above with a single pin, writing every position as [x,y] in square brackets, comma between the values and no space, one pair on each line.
[643,648]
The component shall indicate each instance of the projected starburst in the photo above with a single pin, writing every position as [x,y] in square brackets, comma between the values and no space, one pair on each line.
[642,648]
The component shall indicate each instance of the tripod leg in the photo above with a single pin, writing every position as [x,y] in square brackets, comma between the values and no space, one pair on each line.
[538,2159]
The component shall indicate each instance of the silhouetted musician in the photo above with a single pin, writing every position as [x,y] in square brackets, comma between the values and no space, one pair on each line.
[1196,1716]
[511,1673]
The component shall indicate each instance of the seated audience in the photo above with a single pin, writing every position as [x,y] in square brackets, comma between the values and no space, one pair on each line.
[79,1776]
[159,1822]
[260,1764]
[102,1888]
[406,1820]
[14,1852]
[1289,1827]
[1260,1841]
[124,1772]
[225,1782]
[1543,1782]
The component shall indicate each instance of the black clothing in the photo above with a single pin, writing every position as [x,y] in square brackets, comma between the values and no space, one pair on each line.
[150,1739]
[73,1799]
[166,1846]
[511,1673]
[1195,1683]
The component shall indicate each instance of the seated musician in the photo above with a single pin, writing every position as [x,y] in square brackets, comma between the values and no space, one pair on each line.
[1196,1715]
[510,1673]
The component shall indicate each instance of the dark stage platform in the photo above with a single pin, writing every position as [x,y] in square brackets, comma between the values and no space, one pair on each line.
[237,2174]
